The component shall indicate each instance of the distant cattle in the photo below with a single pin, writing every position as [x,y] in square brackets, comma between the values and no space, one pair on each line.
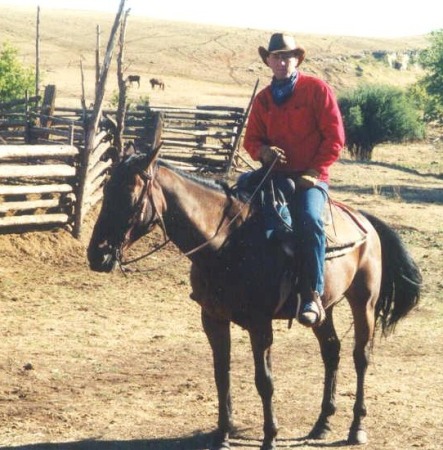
[157,82]
[133,79]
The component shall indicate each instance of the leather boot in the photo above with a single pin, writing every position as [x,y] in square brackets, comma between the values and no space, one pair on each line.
[312,312]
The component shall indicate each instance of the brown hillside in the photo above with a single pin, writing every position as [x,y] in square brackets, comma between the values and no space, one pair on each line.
[199,63]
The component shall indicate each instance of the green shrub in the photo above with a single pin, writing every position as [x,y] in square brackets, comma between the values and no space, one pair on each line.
[15,79]
[374,114]
[432,60]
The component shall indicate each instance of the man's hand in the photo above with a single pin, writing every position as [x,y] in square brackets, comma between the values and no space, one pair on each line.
[268,154]
[307,180]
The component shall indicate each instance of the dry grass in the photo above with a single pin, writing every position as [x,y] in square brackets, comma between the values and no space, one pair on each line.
[97,362]
[102,362]
[199,63]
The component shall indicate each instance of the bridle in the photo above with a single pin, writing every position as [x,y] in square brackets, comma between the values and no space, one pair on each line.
[147,177]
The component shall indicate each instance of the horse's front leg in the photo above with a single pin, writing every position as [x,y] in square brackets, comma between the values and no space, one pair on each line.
[330,351]
[219,336]
[261,339]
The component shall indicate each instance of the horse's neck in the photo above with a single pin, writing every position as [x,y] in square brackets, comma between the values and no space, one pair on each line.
[195,213]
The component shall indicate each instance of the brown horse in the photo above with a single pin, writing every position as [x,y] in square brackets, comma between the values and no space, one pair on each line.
[236,276]
[157,82]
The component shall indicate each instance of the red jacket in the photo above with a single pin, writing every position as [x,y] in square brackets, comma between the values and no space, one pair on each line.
[308,126]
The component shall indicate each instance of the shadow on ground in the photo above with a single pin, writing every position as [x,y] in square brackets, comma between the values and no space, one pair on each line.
[410,194]
[195,442]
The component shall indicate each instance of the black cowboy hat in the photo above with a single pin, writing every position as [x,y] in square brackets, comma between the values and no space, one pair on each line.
[279,43]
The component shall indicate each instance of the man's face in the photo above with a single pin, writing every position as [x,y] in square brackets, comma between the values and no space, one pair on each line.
[282,64]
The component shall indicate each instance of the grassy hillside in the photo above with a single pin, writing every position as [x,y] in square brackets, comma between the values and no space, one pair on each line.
[199,63]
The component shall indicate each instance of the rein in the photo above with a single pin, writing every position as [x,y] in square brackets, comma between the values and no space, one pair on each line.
[148,179]
[145,255]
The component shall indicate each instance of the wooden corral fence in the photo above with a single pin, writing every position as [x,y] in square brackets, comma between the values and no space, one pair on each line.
[40,184]
[37,185]
[41,174]
[13,119]
[204,138]
[55,161]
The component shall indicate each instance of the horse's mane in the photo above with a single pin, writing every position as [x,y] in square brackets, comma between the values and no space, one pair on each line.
[216,185]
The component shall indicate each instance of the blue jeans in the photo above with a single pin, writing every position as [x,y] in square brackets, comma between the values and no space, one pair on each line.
[307,211]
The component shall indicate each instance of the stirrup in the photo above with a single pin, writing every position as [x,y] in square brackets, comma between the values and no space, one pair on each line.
[313,316]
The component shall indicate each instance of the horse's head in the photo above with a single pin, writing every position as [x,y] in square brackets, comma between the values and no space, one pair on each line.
[132,205]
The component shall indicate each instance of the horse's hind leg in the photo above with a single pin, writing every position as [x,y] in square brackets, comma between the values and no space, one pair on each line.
[219,336]
[261,340]
[330,351]
[364,324]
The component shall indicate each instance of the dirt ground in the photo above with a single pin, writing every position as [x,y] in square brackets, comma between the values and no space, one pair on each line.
[112,362]
[95,362]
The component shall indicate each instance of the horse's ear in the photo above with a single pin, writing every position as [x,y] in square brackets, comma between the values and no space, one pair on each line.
[155,138]
[153,154]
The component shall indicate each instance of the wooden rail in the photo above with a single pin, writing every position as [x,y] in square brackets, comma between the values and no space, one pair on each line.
[37,184]
[203,138]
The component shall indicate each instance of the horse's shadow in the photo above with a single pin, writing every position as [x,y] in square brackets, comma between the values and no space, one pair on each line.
[199,441]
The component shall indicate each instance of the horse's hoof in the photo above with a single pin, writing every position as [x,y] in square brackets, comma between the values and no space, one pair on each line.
[318,435]
[357,437]
[220,441]
[319,432]
[268,446]
[221,446]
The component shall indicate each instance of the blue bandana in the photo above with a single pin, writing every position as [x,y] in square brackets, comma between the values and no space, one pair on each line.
[281,90]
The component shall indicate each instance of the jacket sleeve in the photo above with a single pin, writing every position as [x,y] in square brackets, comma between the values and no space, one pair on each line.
[331,128]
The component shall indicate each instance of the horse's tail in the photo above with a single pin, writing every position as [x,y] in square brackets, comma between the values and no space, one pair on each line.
[401,278]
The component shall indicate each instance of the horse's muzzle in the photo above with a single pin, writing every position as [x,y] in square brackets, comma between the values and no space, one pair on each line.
[102,259]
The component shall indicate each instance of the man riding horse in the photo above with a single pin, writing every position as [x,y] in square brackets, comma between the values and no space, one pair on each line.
[295,125]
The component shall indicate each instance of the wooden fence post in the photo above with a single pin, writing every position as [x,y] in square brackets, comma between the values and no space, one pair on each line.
[93,123]
[48,105]
[240,129]
[97,57]
[122,89]
[37,55]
